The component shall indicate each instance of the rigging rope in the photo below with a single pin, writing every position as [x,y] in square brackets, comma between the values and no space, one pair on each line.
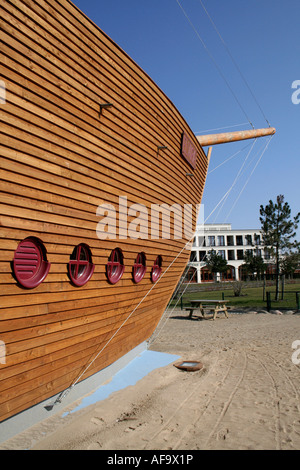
[266,146]
[237,177]
[234,62]
[155,336]
[234,182]
[63,394]
[241,171]
[221,128]
[227,159]
[215,63]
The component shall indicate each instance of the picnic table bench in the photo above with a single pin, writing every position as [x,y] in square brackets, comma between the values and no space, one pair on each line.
[204,304]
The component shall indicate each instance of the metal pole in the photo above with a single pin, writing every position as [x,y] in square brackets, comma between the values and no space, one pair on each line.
[282,286]
[268,301]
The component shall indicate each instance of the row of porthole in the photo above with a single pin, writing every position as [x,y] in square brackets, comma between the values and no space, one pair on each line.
[31,267]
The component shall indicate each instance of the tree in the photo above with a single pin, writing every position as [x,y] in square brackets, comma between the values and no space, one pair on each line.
[290,263]
[254,264]
[278,230]
[215,263]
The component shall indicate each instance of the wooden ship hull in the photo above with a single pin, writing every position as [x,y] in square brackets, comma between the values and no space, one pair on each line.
[81,126]
[89,146]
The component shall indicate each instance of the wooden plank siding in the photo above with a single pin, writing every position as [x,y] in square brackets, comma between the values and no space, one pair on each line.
[60,159]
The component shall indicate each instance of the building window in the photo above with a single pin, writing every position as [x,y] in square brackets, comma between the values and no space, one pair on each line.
[156,269]
[221,240]
[202,255]
[231,255]
[139,267]
[115,266]
[239,240]
[221,253]
[193,257]
[230,241]
[211,241]
[249,239]
[30,263]
[201,241]
[80,265]
[240,254]
[229,274]
[206,275]
[257,239]
[191,275]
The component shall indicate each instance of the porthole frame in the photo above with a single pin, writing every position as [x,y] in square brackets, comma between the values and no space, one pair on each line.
[139,268]
[156,269]
[115,266]
[79,279]
[30,255]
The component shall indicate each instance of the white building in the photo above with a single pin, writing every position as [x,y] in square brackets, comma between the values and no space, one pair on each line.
[231,244]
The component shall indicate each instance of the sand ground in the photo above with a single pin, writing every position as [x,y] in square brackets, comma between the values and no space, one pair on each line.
[245,397]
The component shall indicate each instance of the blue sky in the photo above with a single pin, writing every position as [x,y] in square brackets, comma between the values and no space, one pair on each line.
[263,37]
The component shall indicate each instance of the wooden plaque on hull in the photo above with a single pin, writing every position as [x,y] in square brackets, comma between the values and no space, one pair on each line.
[188,150]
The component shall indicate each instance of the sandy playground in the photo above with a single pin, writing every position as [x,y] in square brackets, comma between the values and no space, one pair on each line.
[246,396]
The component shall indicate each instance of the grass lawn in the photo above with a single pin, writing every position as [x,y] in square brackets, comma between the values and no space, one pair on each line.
[251,297]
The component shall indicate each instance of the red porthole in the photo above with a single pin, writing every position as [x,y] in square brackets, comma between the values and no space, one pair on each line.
[80,265]
[115,266]
[156,269]
[30,262]
[139,267]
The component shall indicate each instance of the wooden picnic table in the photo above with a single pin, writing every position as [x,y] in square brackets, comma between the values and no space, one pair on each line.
[202,304]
